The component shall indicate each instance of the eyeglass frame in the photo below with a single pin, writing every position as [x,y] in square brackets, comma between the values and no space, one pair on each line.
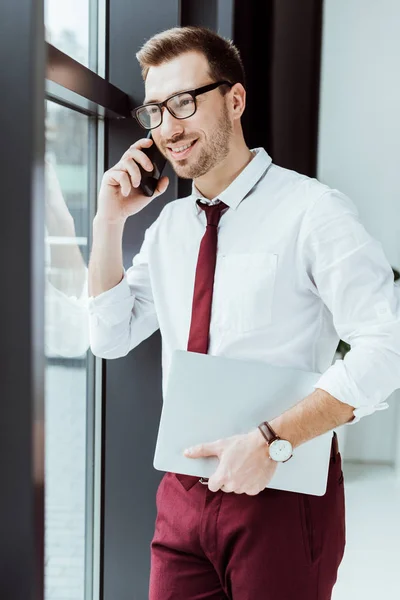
[194,93]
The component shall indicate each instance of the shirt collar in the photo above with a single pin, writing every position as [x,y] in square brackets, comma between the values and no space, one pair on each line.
[242,185]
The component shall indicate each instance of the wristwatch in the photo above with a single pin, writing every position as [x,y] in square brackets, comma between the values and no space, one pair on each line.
[279,450]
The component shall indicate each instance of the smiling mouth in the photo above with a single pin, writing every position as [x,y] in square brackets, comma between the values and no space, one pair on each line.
[181,151]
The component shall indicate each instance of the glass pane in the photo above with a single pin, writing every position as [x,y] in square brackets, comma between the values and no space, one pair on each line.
[67,27]
[66,344]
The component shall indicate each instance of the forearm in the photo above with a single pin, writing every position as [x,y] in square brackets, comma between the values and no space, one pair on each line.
[314,415]
[106,265]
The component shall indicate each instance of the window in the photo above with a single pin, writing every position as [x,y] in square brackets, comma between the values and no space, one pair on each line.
[67,27]
[71,154]
[67,506]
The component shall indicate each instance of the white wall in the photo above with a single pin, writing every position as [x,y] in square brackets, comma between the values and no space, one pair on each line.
[359,153]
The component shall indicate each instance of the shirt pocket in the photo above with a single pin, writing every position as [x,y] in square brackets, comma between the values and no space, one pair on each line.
[246,284]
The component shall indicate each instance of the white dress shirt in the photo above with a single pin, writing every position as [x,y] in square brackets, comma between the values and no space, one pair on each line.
[296,271]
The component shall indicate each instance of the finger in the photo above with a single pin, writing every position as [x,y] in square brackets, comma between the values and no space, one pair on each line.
[132,168]
[201,450]
[122,179]
[227,489]
[142,142]
[252,492]
[139,157]
[214,485]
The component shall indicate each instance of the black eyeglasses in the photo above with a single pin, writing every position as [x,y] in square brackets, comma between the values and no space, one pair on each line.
[180,106]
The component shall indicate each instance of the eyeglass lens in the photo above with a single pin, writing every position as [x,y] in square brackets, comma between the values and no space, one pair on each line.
[181,106]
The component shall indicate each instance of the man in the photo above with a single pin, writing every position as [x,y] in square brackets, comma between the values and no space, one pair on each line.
[295,271]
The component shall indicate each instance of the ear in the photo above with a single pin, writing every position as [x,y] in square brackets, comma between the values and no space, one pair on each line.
[238,100]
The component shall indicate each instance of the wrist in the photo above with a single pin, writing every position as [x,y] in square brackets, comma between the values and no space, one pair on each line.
[280,448]
[102,221]
[279,428]
[259,440]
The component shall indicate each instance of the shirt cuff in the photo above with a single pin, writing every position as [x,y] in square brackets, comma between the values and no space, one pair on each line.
[114,305]
[339,384]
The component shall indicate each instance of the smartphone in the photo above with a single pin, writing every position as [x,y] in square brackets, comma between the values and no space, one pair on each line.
[150,179]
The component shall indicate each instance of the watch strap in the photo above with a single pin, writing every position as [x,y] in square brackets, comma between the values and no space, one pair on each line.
[268,433]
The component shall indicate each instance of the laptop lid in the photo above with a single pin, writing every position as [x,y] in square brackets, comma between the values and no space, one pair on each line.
[213,397]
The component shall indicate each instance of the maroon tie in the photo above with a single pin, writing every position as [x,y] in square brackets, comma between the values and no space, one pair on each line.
[202,296]
[204,281]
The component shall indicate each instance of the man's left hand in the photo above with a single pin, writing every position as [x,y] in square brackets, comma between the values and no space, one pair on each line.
[244,463]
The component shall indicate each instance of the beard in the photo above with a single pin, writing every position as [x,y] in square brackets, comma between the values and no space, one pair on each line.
[211,153]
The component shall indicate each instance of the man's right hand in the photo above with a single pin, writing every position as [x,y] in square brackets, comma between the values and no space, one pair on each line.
[120,195]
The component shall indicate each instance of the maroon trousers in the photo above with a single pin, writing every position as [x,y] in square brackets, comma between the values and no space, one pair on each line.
[277,545]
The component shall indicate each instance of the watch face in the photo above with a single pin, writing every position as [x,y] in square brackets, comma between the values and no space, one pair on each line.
[280,450]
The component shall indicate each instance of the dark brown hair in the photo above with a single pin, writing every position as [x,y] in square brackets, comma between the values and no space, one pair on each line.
[222,55]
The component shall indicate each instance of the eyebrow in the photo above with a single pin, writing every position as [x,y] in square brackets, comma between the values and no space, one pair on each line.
[169,96]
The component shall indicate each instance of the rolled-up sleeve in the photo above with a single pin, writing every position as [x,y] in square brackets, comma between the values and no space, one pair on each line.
[348,269]
[122,317]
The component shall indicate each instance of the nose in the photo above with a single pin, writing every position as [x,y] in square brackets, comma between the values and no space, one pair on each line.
[170,126]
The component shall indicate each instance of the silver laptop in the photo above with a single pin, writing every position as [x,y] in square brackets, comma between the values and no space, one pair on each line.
[212,397]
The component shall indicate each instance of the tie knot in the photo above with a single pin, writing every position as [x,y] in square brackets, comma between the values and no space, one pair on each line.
[213,212]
